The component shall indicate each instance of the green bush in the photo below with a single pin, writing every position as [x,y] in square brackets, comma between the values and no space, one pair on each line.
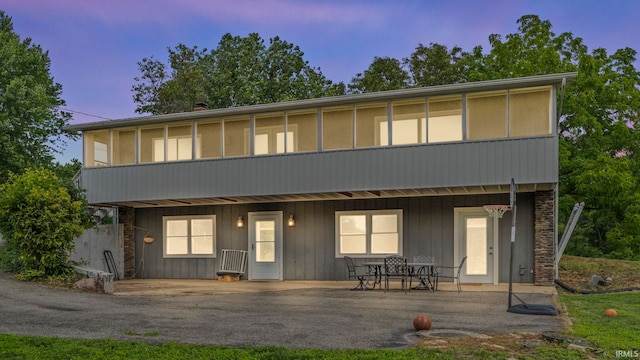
[39,221]
[10,260]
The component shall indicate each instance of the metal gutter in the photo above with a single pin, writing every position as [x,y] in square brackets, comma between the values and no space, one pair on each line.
[450,89]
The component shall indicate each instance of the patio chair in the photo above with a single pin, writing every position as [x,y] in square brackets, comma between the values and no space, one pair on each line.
[395,267]
[355,274]
[233,264]
[457,270]
[424,274]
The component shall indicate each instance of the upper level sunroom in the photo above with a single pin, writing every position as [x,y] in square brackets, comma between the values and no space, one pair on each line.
[488,110]
[452,139]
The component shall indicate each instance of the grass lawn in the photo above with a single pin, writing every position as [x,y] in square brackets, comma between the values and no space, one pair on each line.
[607,333]
[25,347]
[621,333]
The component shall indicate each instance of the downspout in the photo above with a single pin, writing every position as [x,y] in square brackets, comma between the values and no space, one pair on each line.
[556,208]
[559,114]
[556,202]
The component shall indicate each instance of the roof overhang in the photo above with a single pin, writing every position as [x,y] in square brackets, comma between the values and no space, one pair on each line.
[490,85]
[343,195]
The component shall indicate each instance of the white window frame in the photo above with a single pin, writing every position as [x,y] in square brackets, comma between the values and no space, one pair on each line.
[368,214]
[420,129]
[158,150]
[272,133]
[102,146]
[164,154]
[176,156]
[449,114]
[189,239]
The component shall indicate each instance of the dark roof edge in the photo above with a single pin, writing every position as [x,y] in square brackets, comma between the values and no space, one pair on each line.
[488,85]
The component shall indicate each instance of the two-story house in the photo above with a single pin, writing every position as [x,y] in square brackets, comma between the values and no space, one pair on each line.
[301,184]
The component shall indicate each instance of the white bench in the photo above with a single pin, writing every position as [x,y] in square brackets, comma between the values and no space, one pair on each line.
[233,264]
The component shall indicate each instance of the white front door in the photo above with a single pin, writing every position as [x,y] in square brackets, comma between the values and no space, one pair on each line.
[265,246]
[475,239]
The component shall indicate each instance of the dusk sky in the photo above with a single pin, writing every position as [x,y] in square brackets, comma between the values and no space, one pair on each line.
[94,46]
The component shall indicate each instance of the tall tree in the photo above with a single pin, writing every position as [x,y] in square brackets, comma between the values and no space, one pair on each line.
[600,139]
[437,65]
[426,66]
[534,50]
[31,121]
[239,71]
[157,92]
[598,129]
[383,74]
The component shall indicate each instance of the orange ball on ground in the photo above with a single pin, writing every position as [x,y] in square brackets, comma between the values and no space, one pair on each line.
[422,322]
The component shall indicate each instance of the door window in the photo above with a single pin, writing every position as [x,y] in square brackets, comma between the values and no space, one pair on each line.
[476,245]
[266,241]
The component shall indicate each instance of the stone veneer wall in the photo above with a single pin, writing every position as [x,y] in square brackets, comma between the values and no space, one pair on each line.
[127,219]
[544,272]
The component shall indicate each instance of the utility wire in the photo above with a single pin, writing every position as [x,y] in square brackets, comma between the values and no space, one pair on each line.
[83,113]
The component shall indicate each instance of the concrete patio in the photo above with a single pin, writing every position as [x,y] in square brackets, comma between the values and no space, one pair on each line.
[173,287]
[295,314]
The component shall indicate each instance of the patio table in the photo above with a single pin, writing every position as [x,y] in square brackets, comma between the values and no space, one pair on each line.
[375,274]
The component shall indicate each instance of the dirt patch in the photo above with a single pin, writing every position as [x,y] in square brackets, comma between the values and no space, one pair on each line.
[577,272]
[513,344]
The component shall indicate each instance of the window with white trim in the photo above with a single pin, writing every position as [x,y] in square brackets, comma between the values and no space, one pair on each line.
[189,236]
[368,233]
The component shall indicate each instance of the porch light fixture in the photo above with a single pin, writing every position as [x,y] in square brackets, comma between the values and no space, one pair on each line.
[240,222]
[148,238]
[291,222]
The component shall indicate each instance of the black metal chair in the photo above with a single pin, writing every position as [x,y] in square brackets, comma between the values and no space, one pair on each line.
[457,270]
[395,267]
[355,274]
[423,274]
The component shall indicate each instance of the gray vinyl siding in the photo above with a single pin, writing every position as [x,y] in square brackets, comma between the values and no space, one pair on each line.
[309,247]
[474,163]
